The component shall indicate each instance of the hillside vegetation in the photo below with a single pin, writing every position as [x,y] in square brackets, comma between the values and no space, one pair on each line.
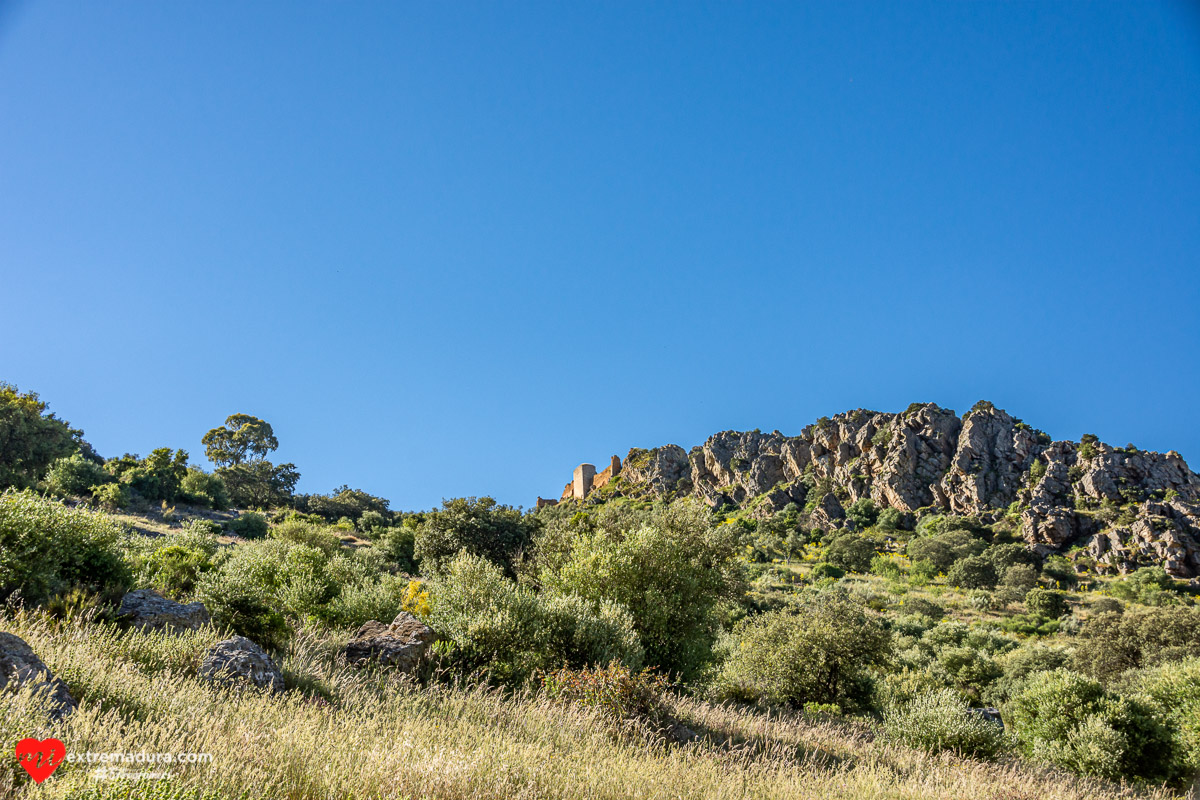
[819,635]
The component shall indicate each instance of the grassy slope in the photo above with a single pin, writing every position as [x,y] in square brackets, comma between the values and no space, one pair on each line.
[379,737]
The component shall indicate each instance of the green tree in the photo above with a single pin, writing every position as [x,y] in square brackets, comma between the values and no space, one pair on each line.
[259,484]
[242,438]
[851,552]
[30,438]
[480,526]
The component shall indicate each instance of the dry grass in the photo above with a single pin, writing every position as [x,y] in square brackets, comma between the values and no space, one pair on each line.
[352,735]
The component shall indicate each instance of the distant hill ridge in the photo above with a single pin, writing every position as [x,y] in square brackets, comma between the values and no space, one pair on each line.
[1123,506]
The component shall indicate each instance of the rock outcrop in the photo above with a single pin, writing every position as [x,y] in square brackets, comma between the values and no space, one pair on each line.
[149,610]
[240,662]
[402,644]
[20,667]
[1127,507]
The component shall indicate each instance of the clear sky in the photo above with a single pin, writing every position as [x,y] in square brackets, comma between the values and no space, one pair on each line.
[455,249]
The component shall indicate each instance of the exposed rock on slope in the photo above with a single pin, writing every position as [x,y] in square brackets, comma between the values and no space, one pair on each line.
[1126,507]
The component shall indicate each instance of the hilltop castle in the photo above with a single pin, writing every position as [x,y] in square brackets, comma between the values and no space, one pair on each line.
[584,481]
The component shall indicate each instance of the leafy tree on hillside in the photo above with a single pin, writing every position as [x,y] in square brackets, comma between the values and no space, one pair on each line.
[239,449]
[481,527]
[30,438]
[242,438]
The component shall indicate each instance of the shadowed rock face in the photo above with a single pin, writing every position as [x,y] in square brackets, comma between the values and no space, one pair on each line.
[20,667]
[1127,507]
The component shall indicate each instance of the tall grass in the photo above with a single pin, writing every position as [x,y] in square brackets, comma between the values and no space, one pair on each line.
[355,735]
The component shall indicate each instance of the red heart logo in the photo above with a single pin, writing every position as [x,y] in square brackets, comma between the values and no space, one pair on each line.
[40,759]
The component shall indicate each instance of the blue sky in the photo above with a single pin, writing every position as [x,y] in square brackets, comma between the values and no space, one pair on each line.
[454,248]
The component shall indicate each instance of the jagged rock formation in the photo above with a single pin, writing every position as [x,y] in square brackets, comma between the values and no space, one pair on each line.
[1124,507]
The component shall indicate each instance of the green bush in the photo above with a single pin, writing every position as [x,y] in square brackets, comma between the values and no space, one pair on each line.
[1175,689]
[1150,586]
[204,489]
[822,651]
[614,690]
[30,438]
[250,525]
[1069,720]
[824,570]
[943,549]
[1111,643]
[1047,603]
[510,632]
[300,532]
[398,545]
[671,566]
[972,572]
[47,548]
[941,720]
[111,496]
[890,519]
[74,476]
[173,564]
[862,513]
[851,552]
[480,526]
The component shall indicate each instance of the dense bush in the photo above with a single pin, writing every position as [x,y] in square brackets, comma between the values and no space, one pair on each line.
[862,513]
[352,504]
[972,572]
[74,476]
[1111,643]
[173,564]
[301,532]
[47,548]
[156,478]
[826,570]
[1175,689]
[943,549]
[941,720]
[510,632]
[250,525]
[398,545]
[851,552]
[821,651]
[1069,720]
[480,526]
[671,566]
[1150,586]
[1048,603]
[203,489]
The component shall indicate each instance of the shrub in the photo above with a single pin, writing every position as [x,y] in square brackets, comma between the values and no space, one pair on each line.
[481,527]
[250,525]
[821,651]
[74,476]
[1070,720]
[614,690]
[943,549]
[862,513]
[1111,643]
[1150,586]
[851,552]
[173,564]
[1175,689]
[885,566]
[32,438]
[1046,602]
[972,572]
[826,570]
[398,545]
[510,632]
[203,489]
[371,521]
[670,566]
[890,519]
[111,496]
[941,720]
[47,548]
[300,532]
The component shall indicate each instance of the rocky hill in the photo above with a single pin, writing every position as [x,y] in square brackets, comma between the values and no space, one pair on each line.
[1122,506]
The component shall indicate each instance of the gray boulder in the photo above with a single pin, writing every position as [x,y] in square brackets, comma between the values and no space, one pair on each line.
[149,610]
[403,644]
[20,667]
[239,662]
